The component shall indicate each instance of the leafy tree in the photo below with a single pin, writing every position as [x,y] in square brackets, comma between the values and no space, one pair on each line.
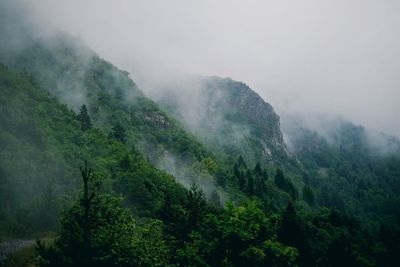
[97,231]
[245,236]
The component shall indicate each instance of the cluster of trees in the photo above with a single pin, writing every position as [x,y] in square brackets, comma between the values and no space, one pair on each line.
[250,181]
[42,143]
[348,174]
[129,213]
[98,230]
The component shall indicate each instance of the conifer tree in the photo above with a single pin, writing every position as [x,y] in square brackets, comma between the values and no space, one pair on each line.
[119,133]
[84,118]
[250,183]
[308,195]
[257,169]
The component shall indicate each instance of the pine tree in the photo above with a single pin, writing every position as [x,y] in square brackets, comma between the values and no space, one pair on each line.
[242,182]
[265,175]
[86,202]
[250,183]
[285,184]
[84,118]
[280,179]
[196,206]
[259,186]
[119,133]
[257,169]
[241,162]
[308,195]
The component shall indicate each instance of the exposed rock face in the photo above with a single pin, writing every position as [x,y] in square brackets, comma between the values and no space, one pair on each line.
[230,115]
[158,119]
[260,116]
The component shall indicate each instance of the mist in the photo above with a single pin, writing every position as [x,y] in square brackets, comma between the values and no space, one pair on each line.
[309,57]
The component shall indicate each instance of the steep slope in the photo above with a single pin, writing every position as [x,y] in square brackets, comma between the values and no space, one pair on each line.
[76,75]
[353,169]
[42,145]
[229,115]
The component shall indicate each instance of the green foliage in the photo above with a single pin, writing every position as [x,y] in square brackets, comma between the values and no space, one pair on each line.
[157,222]
[42,142]
[308,195]
[350,174]
[98,231]
[21,258]
[285,184]
[243,236]
[84,118]
[118,133]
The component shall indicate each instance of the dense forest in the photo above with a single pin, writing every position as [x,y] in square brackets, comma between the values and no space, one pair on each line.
[122,180]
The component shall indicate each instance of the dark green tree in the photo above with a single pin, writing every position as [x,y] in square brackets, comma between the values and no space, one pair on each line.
[250,183]
[259,186]
[196,206]
[241,162]
[292,233]
[280,179]
[285,184]
[308,195]
[265,175]
[84,118]
[98,231]
[119,133]
[257,169]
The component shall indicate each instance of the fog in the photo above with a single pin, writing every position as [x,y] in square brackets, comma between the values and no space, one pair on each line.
[304,57]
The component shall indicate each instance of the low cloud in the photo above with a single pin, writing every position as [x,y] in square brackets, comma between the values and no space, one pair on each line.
[305,57]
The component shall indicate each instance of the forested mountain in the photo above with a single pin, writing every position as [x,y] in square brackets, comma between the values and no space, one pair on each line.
[75,75]
[229,115]
[363,168]
[245,199]
[43,142]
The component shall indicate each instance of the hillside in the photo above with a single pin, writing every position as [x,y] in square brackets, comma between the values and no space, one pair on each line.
[43,142]
[245,201]
[353,169]
[75,75]
[42,146]
[229,115]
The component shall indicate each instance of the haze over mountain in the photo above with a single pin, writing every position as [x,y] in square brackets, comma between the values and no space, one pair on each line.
[310,57]
[152,167]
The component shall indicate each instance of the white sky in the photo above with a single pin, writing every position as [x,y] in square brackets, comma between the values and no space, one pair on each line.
[308,57]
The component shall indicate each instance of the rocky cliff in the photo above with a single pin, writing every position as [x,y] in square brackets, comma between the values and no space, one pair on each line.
[229,115]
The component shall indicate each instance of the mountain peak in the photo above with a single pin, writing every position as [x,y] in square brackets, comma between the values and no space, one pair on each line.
[227,114]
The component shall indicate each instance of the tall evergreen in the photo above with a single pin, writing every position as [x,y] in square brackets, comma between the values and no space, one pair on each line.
[250,183]
[241,162]
[285,184]
[257,169]
[119,133]
[84,118]
[308,195]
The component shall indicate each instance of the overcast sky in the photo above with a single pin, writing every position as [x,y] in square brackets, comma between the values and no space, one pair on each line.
[317,56]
